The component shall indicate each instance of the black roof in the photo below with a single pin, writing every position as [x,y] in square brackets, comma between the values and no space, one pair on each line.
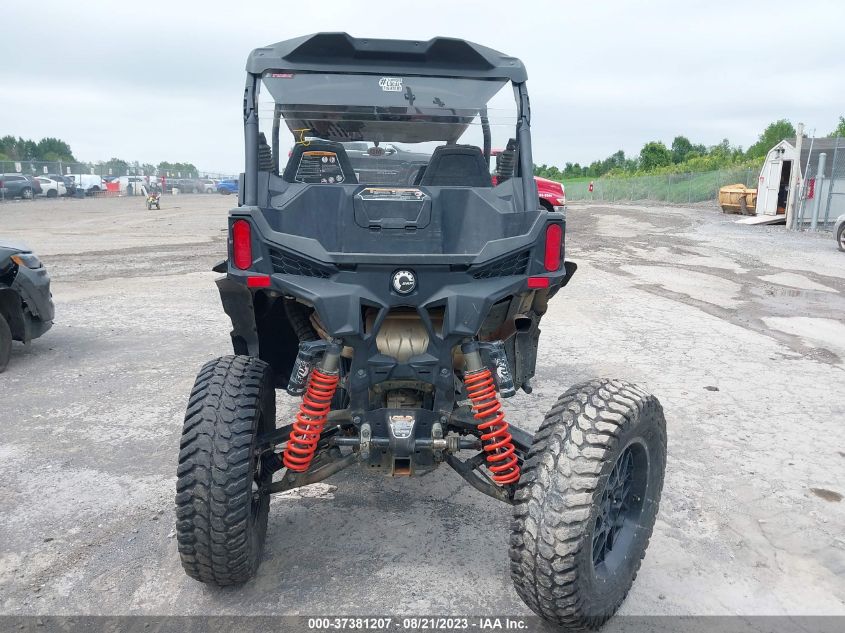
[339,52]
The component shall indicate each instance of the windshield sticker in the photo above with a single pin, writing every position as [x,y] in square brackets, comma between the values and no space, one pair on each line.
[282,75]
[390,84]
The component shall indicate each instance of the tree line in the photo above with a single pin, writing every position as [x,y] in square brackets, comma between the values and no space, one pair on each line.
[682,156]
[54,150]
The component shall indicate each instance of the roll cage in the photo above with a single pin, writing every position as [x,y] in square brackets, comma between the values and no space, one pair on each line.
[341,53]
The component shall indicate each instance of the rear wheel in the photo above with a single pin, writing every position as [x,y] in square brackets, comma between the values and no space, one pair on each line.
[52,193]
[5,343]
[587,502]
[840,237]
[26,193]
[221,513]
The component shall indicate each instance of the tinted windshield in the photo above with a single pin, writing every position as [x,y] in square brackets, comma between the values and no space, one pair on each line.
[379,129]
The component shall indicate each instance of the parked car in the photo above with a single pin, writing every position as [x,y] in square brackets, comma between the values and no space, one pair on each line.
[52,188]
[186,185]
[207,185]
[386,164]
[552,194]
[88,183]
[17,186]
[839,232]
[70,185]
[36,185]
[26,305]
[130,185]
[227,186]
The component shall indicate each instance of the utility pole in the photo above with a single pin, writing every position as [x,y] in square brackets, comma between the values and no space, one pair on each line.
[793,179]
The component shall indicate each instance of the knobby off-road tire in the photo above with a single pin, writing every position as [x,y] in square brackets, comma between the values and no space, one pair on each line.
[221,520]
[602,444]
[5,343]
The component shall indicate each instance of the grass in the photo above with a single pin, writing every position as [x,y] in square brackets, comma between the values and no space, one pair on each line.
[675,188]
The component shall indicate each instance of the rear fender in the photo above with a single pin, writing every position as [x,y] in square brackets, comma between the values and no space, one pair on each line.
[260,326]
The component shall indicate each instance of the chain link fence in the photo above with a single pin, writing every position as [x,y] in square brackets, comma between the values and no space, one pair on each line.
[822,194]
[103,179]
[673,188]
[104,170]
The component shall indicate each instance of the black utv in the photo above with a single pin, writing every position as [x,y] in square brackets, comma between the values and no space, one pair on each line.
[401,313]
[26,304]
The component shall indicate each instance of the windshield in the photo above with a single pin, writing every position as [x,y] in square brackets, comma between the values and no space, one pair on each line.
[332,128]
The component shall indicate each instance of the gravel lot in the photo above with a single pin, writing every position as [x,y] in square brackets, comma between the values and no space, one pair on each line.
[739,330]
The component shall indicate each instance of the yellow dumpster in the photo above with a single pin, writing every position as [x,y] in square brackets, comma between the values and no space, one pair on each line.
[738,199]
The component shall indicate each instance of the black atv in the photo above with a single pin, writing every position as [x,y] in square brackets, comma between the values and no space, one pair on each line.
[401,314]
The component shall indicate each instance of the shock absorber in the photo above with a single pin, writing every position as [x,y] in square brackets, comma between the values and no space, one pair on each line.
[495,438]
[313,411]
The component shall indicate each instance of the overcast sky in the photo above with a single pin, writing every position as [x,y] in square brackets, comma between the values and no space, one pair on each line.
[153,81]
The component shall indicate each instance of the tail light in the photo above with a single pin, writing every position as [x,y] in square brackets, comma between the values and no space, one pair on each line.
[242,244]
[554,238]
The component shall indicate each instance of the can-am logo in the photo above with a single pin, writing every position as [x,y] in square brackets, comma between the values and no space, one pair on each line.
[391,84]
[404,282]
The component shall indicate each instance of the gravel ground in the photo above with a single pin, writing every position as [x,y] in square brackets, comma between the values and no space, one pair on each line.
[739,330]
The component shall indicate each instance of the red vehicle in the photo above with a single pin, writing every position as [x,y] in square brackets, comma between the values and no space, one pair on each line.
[552,193]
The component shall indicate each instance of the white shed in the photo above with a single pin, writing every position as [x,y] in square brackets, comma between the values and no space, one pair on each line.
[773,185]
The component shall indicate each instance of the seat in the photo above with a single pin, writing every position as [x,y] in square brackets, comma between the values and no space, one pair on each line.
[337,149]
[457,166]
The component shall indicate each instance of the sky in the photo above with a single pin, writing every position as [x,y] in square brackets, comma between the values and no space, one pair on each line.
[153,81]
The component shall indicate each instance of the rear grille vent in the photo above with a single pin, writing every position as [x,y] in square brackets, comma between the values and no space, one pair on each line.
[288,264]
[515,264]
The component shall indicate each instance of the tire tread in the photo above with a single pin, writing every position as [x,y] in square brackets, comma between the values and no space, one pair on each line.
[554,500]
[214,478]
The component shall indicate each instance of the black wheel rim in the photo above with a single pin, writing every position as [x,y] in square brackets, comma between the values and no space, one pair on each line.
[261,476]
[619,511]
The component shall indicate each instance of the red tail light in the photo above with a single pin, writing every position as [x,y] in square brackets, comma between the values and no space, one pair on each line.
[554,237]
[242,244]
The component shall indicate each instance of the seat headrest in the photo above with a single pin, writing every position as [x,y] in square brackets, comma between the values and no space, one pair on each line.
[457,166]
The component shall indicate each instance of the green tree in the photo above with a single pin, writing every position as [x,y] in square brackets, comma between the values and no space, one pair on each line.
[771,136]
[840,129]
[186,169]
[118,166]
[27,149]
[653,155]
[681,149]
[54,149]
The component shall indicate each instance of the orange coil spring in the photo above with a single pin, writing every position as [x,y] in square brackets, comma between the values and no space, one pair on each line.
[313,412]
[501,460]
